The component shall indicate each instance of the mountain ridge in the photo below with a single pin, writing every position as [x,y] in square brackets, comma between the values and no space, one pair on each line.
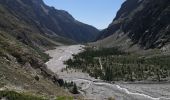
[141,22]
[35,17]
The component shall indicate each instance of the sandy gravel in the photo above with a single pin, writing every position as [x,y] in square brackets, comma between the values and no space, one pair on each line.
[99,90]
[61,54]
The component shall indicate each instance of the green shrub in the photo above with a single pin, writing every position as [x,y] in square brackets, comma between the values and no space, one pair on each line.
[64,98]
[12,95]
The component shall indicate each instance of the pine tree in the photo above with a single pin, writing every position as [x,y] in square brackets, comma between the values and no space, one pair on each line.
[75,90]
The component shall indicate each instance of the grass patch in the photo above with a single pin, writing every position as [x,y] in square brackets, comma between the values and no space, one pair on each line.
[64,98]
[12,95]
[45,57]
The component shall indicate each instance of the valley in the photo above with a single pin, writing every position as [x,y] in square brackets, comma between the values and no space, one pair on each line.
[97,89]
[47,54]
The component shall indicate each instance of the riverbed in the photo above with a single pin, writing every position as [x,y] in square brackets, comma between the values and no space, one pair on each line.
[95,89]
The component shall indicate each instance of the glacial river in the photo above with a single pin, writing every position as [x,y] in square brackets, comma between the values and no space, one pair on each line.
[94,89]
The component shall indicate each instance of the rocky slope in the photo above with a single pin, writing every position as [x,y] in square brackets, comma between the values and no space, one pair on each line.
[27,28]
[35,23]
[22,69]
[142,22]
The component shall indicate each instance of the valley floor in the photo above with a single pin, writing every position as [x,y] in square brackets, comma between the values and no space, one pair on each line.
[96,89]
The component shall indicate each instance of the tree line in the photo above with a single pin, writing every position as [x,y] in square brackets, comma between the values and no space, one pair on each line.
[120,66]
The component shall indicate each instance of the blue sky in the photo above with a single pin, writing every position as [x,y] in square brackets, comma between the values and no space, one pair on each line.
[98,13]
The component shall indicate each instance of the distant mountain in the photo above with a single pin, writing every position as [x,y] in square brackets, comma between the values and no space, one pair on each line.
[142,22]
[35,23]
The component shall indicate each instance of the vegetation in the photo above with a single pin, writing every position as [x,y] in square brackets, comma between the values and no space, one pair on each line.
[111,98]
[22,66]
[11,95]
[111,64]
[64,98]
[45,57]
[71,86]
[75,90]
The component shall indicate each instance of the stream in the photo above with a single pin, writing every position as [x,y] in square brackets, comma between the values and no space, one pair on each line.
[95,89]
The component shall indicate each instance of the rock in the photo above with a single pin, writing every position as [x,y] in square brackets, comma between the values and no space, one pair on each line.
[145,22]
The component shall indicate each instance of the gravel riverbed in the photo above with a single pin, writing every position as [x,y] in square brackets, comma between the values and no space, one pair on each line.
[94,89]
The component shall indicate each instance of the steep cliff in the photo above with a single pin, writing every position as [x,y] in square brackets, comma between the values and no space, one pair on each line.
[143,22]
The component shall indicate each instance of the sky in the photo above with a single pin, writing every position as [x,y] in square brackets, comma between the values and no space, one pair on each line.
[98,13]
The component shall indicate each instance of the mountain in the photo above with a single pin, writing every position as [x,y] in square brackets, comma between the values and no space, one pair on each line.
[22,69]
[145,23]
[27,29]
[35,23]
